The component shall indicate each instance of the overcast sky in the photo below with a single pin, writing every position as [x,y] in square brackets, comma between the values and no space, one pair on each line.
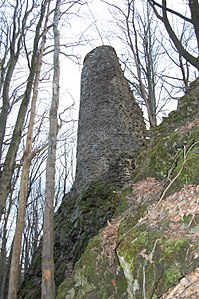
[94,24]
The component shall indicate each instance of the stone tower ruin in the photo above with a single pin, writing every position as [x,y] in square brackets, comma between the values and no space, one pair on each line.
[111,125]
[110,134]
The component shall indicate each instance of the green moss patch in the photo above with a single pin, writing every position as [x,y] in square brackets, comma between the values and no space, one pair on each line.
[139,255]
[164,158]
[151,263]
[94,276]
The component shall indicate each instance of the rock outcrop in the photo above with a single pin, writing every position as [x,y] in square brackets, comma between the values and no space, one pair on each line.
[149,248]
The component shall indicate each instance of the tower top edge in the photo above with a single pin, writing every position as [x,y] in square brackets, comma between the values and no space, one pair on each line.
[106,48]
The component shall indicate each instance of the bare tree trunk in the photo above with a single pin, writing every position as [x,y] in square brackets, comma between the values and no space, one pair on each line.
[136,53]
[4,260]
[48,284]
[23,193]
[13,47]
[4,288]
[137,27]
[8,166]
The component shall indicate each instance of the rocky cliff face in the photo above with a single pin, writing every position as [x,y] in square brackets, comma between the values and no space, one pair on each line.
[149,248]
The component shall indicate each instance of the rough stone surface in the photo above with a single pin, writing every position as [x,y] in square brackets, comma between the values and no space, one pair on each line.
[111,125]
[190,100]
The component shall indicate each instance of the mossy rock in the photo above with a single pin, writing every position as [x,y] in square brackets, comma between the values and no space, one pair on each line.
[98,274]
[94,276]
[186,169]
[84,218]
[164,158]
[146,260]
[153,263]
[161,155]
[190,157]
[156,160]
[78,220]
[131,220]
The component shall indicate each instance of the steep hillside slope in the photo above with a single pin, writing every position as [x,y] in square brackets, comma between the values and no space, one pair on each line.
[149,248]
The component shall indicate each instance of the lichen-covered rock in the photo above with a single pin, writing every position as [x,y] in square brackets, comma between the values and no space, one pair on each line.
[169,152]
[172,152]
[97,274]
[140,254]
[163,246]
[78,219]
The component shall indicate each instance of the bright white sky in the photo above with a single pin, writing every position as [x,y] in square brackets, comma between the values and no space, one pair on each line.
[93,17]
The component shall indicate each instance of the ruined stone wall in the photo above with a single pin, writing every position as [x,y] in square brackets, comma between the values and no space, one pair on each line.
[111,125]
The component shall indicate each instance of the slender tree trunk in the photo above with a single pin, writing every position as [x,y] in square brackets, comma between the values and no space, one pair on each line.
[48,284]
[14,55]
[8,166]
[23,193]
[136,53]
[4,261]
[4,288]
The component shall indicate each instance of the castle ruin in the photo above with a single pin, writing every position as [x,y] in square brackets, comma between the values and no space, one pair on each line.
[110,134]
[111,125]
